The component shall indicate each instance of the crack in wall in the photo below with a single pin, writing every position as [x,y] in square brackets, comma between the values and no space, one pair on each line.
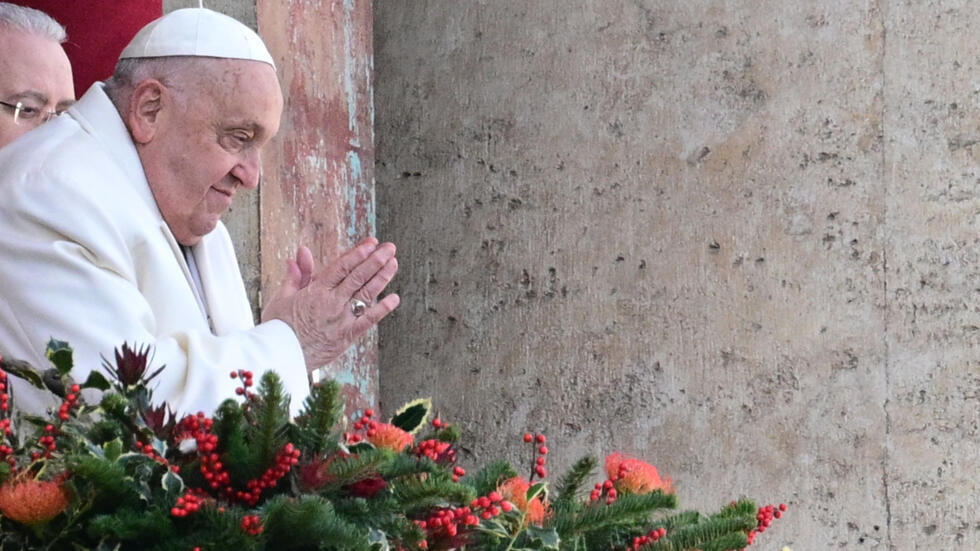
[886,461]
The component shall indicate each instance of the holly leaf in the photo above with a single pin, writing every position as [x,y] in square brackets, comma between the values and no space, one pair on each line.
[96,380]
[378,540]
[413,415]
[60,354]
[172,483]
[535,490]
[24,371]
[542,538]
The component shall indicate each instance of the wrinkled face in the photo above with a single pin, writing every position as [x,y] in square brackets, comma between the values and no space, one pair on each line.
[207,143]
[34,72]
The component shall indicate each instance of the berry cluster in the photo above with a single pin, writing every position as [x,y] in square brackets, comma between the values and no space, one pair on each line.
[246,378]
[436,450]
[46,442]
[541,451]
[449,521]
[285,459]
[365,425]
[149,451]
[765,517]
[4,396]
[70,402]
[6,452]
[252,525]
[187,504]
[608,488]
[199,427]
[439,424]
[652,536]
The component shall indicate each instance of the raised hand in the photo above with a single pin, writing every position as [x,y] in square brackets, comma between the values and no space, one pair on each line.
[322,307]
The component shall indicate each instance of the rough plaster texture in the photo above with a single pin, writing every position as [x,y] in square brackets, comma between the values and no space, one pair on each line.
[319,188]
[734,238]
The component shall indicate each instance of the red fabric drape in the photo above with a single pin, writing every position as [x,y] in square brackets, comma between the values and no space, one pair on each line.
[98,30]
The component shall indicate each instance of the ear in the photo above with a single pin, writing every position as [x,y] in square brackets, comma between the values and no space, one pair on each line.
[145,110]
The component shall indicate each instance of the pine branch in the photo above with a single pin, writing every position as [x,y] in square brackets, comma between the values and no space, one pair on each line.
[626,510]
[717,531]
[309,522]
[433,491]
[237,456]
[489,477]
[569,484]
[109,480]
[736,540]
[354,468]
[403,465]
[130,525]
[268,415]
[322,411]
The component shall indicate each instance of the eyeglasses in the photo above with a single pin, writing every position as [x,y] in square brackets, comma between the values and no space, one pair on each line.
[29,114]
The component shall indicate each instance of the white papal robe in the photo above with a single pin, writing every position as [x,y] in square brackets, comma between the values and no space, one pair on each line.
[86,257]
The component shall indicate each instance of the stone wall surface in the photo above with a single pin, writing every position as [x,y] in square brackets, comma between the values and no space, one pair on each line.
[736,239]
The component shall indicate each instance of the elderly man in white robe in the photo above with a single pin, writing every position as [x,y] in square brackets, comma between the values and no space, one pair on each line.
[110,230]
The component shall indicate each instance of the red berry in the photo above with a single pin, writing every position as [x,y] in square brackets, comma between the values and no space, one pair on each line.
[543,450]
[369,412]
[528,437]
[540,439]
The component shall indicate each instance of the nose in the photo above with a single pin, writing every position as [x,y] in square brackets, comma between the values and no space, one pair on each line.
[249,169]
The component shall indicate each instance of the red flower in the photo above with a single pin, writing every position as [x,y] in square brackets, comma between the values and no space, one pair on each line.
[368,487]
[635,476]
[32,501]
[131,365]
[390,437]
[515,490]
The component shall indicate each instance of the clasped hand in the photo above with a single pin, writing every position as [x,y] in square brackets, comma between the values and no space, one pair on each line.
[317,306]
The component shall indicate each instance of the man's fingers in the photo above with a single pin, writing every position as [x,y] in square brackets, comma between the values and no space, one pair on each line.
[291,279]
[304,263]
[366,270]
[374,314]
[339,269]
[376,284]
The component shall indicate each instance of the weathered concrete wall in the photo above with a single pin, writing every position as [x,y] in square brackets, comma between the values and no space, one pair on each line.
[319,188]
[733,238]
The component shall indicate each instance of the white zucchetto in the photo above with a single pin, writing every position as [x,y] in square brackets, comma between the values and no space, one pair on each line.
[198,32]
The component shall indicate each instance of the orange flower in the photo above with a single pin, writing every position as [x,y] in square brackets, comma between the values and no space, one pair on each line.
[515,490]
[635,476]
[32,501]
[388,436]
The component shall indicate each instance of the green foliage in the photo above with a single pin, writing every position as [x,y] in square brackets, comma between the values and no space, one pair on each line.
[252,479]
[489,477]
[268,416]
[323,410]
[570,484]
[309,522]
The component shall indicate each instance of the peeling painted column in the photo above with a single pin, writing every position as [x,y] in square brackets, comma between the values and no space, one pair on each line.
[318,188]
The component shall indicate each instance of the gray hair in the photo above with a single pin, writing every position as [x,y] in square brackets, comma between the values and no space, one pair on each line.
[172,72]
[32,21]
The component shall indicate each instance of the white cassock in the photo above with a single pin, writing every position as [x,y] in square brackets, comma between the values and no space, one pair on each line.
[86,257]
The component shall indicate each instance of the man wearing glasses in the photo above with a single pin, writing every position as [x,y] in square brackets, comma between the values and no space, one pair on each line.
[35,74]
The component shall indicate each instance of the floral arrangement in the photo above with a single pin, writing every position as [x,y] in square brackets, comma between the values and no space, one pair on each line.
[127,474]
